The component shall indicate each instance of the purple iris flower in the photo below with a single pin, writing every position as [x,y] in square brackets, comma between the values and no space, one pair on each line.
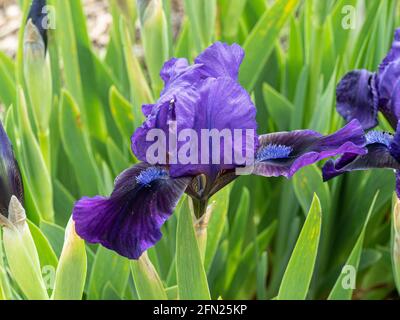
[383,153]
[10,176]
[361,94]
[198,98]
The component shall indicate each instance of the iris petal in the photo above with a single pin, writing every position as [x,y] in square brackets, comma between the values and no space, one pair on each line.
[221,60]
[10,177]
[356,98]
[394,53]
[129,221]
[383,153]
[308,147]
[224,107]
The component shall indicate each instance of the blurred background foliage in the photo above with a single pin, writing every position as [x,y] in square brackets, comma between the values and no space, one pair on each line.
[265,238]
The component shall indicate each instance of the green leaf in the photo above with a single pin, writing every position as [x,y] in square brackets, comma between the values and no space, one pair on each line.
[147,281]
[71,271]
[216,224]
[299,271]
[105,261]
[77,147]
[155,41]
[190,273]
[34,170]
[46,254]
[340,292]
[308,181]
[55,235]
[266,32]
[139,89]
[8,90]
[237,234]
[121,111]
[395,243]
[278,107]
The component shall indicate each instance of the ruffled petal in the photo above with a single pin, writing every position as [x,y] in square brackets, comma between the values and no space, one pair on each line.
[283,154]
[173,68]
[357,98]
[159,126]
[129,221]
[10,176]
[221,60]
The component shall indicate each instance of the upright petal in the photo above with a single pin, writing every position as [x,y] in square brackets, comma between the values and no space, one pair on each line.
[388,84]
[394,53]
[221,60]
[357,98]
[284,153]
[226,113]
[10,177]
[129,221]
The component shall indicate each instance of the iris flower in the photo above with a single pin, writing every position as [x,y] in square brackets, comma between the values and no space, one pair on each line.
[203,96]
[361,95]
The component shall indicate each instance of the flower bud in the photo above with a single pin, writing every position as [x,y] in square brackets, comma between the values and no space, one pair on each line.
[154,32]
[21,253]
[72,267]
[37,67]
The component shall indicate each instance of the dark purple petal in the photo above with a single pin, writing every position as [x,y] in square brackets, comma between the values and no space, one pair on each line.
[179,109]
[283,154]
[398,183]
[382,151]
[224,106]
[357,98]
[129,221]
[395,144]
[221,60]
[394,53]
[388,84]
[10,176]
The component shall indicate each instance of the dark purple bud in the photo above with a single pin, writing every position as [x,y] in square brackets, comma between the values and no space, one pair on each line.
[10,177]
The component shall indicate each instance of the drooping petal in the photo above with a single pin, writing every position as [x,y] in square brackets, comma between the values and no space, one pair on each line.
[10,176]
[221,60]
[381,150]
[225,112]
[283,154]
[357,98]
[129,221]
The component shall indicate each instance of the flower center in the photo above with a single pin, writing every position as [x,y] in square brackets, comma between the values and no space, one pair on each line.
[146,177]
[379,137]
[274,151]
